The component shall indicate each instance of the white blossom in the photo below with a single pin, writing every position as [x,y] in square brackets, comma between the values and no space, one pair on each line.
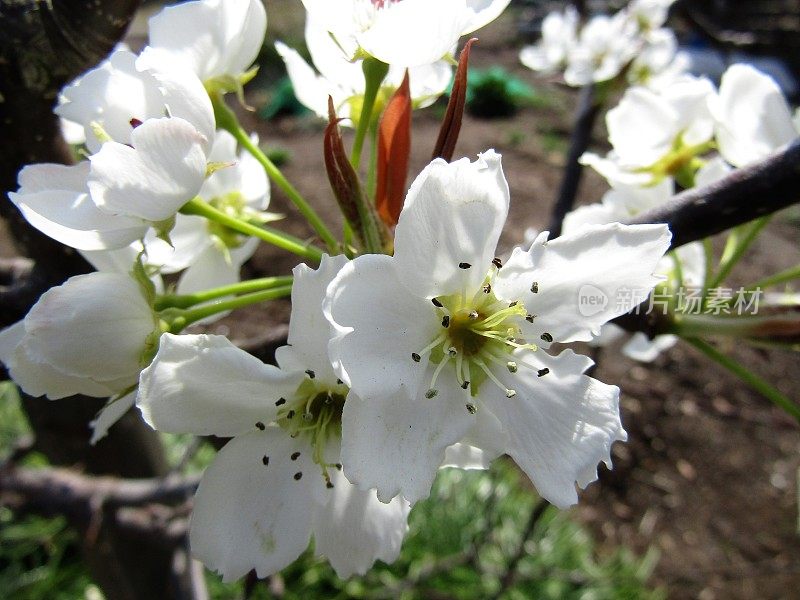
[559,36]
[452,346]
[405,33]
[343,79]
[279,481]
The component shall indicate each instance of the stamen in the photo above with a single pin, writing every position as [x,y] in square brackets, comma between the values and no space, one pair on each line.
[547,337]
[265,460]
[298,476]
[452,351]
[295,455]
[529,318]
[473,316]
[310,374]
[436,303]
[260,426]
[494,378]
[471,409]
[464,265]
[535,287]
[308,417]
[543,372]
[487,289]
[431,393]
[329,485]
[511,366]
[465,385]
[497,262]
[441,338]
[446,321]
[280,402]
[415,357]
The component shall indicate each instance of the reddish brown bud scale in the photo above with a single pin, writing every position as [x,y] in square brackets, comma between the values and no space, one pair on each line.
[342,177]
[394,149]
[451,124]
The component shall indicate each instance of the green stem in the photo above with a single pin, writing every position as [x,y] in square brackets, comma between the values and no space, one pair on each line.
[226,119]
[750,378]
[374,73]
[372,171]
[179,319]
[777,278]
[271,236]
[243,287]
[735,251]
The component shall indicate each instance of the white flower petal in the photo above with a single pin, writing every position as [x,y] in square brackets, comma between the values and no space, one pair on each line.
[453,215]
[91,326]
[162,172]
[354,529]
[753,118]
[311,89]
[643,349]
[560,426]
[464,456]
[434,26]
[642,127]
[309,331]
[109,415]
[212,268]
[62,209]
[378,325]
[111,95]
[250,515]
[203,384]
[483,12]
[210,37]
[585,278]
[396,444]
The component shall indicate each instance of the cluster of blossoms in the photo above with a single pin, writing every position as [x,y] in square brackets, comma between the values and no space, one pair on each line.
[690,134]
[632,42]
[438,354]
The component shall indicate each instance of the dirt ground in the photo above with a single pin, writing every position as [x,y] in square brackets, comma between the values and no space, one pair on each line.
[709,476]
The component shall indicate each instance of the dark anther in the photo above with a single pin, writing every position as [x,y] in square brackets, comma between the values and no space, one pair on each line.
[497,262]
[280,402]
[265,460]
[535,287]
[513,304]
[529,318]
[415,357]
[464,265]
[135,122]
[290,414]
[547,337]
[543,372]
[260,426]
[471,409]
[446,321]
[295,455]
[487,288]
[339,382]
[298,475]
[338,466]
[329,485]
[436,303]
[310,374]
[465,385]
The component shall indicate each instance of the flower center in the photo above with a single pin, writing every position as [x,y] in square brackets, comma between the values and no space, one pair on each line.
[314,412]
[480,333]
[234,205]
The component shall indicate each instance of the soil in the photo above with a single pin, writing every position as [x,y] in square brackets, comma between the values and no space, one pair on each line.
[709,476]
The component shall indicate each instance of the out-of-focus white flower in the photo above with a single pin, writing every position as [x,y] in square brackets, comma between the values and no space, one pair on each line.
[649,14]
[559,35]
[449,350]
[605,46]
[279,480]
[656,134]
[405,33]
[343,79]
[214,39]
[752,117]
[659,63]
